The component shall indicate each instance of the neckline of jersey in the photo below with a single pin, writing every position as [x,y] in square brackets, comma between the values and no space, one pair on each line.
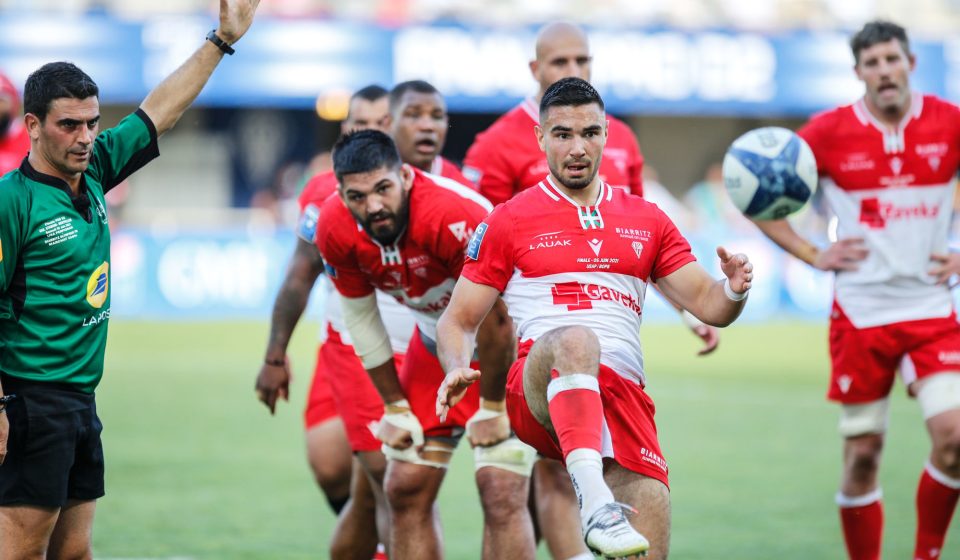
[604,194]
[30,172]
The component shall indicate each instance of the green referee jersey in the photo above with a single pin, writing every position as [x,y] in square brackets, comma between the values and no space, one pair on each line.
[55,261]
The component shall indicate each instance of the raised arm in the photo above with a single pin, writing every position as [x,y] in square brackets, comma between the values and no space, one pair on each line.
[716,303]
[168,101]
[457,331]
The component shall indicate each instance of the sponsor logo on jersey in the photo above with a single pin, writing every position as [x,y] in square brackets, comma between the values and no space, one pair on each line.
[655,458]
[949,357]
[633,233]
[101,210]
[460,231]
[473,248]
[875,213]
[330,271]
[637,248]
[98,286]
[577,296]
[595,245]
[472,174]
[96,319]
[549,241]
[844,381]
[857,161]
[307,226]
[934,152]
[896,164]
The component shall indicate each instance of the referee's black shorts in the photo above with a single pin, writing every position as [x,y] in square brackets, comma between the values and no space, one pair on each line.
[54,453]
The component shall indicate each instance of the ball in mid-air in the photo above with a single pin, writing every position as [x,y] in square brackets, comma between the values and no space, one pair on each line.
[769,173]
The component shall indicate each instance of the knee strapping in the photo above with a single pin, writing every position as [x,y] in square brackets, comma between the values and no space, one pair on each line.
[939,393]
[510,454]
[411,455]
[862,419]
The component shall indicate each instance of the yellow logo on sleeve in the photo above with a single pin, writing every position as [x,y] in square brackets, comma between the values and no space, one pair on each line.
[98,286]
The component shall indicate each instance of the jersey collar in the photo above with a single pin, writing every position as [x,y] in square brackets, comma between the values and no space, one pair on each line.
[80,202]
[893,141]
[590,216]
[529,107]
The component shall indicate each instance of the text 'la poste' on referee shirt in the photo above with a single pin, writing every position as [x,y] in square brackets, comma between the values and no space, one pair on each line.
[55,261]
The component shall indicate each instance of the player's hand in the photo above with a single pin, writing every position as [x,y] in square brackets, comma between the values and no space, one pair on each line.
[737,268]
[399,428]
[235,18]
[946,266]
[453,388]
[845,254]
[489,425]
[4,434]
[273,383]
[708,334]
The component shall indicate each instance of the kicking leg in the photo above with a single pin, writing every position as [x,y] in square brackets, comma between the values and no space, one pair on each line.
[561,389]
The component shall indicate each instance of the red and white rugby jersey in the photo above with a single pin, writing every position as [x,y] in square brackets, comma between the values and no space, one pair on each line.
[894,188]
[558,263]
[397,318]
[422,267]
[506,159]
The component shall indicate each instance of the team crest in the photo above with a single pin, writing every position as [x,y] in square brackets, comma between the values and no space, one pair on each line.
[637,248]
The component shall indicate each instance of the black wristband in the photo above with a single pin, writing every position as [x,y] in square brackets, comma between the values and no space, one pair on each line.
[277,363]
[220,43]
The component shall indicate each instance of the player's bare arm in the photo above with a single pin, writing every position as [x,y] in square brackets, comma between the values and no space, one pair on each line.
[496,347]
[273,381]
[845,254]
[167,102]
[456,333]
[716,303]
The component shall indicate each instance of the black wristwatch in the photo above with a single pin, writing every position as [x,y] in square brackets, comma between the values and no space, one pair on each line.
[4,400]
[220,43]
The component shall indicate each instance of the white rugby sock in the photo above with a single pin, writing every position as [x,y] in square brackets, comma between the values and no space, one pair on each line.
[586,471]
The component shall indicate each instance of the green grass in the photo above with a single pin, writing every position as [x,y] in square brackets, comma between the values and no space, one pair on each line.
[197,468]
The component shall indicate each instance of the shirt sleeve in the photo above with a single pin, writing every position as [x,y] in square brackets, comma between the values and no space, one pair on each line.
[674,250]
[12,227]
[487,166]
[814,133]
[339,259]
[456,230]
[123,149]
[490,253]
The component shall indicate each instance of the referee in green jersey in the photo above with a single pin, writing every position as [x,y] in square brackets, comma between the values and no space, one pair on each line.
[55,290]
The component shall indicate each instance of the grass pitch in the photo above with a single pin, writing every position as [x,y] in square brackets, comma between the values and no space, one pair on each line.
[196,467]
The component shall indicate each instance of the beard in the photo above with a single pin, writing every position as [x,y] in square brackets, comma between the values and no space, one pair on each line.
[574,184]
[387,234]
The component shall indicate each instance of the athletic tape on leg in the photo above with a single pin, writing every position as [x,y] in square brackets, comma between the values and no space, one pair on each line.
[570,382]
[867,418]
[510,454]
[408,421]
[939,393]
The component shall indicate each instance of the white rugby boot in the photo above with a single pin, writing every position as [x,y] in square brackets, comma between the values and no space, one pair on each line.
[609,534]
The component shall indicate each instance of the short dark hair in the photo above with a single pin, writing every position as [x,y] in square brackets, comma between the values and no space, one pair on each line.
[569,92]
[418,86]
[372,92]
[878,31]
[53,81]
[362,151]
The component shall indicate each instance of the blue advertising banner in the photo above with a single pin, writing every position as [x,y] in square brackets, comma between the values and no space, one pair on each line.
[288,63]
[236,275]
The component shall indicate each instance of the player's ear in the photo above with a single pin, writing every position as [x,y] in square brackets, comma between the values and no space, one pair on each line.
[539,132]
[386,123]
[534,66]
[33,125]
[406,177]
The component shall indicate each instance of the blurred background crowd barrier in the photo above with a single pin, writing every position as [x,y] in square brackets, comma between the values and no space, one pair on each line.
[204,232]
